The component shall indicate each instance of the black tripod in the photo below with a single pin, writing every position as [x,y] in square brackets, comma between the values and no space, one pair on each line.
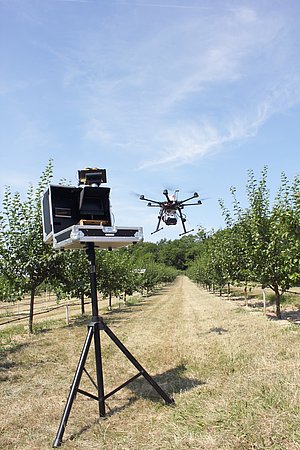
[95,326]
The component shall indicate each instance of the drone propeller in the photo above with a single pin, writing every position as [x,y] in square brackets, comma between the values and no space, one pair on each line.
[135,194]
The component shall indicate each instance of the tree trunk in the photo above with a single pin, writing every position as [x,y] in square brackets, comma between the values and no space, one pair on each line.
[82,303]
[277,301]
[228,290]
[246,295]
[264,300]
[109,301]
[32,295]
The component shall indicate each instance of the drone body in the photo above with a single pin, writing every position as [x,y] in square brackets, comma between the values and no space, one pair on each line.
[171,209]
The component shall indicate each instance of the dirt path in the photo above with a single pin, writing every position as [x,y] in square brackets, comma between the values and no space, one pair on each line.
[233,375]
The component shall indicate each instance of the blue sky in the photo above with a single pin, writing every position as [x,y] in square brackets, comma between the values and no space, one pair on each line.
[186,94]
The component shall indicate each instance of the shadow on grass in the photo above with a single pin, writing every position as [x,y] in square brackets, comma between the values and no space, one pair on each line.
[292,316]
[5,364]
[218,330]
[172,381]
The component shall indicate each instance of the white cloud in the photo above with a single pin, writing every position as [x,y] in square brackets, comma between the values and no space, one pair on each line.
[184,144]
[157,87]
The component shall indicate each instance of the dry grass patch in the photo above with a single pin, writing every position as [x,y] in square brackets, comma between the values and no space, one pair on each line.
[234,376]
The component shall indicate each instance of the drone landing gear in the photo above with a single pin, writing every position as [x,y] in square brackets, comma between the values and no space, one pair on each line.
[183,220]
[159,229]
[186,232]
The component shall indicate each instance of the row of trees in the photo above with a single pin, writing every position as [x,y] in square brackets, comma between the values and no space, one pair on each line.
[27,264]
[118,273]
[260,244]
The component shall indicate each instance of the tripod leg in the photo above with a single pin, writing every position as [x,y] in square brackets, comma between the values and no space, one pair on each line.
[131,358]
[73,390]
[99,371]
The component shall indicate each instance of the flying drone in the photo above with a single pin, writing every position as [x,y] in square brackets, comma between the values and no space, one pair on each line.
[171,209]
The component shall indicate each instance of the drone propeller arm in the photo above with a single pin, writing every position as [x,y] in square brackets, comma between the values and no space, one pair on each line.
[166,194]
[190,198]
[193,204]
[149,200]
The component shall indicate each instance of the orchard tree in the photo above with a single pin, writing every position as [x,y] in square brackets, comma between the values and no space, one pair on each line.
[144,250]
[152,274]
[219,264]
[238,242]
[267,237]
[114,273]
[178,253]
[26,261]
[73,279]
[282,270]
[9,292]
[202,269]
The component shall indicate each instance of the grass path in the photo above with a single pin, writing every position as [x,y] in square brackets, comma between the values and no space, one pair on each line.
[233,374]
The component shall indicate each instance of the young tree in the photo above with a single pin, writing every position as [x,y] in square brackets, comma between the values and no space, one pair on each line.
[73,279]
[282,259]
[178,253]
[267,235]
[115,273]
[26,261]
[238,242]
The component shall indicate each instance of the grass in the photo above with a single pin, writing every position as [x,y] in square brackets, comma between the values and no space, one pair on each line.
[234,377]
[133,300]
[287,299]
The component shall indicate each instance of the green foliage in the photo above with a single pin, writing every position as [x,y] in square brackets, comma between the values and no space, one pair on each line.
[261,243]
[25,260]
[151,269]
[73,278]
[178,253]
[121,272]
[115,273]
[9,292]
[153,274]
[144,250]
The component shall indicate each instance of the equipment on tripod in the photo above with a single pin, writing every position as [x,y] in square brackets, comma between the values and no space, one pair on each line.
[67,215]
[75,216]
[171,209]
